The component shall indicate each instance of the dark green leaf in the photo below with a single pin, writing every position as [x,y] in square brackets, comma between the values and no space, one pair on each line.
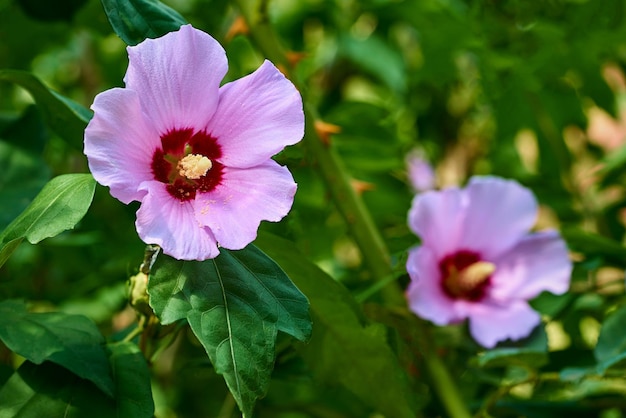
[132,381]
[66,117]
[136,20]
[344,348]
[612,339]
[235,305]
[72,341]
[58,207]
[51,11]
[595,245]
[52,392]
[22,176]
[531,353]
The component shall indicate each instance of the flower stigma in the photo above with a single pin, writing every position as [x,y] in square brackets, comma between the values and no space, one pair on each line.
[194,166]
[465,276]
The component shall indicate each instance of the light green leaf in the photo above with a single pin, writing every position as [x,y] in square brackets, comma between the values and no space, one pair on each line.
[235,304]
[132,381]
[136,20]
[344,348]
[66,117]
[58,207]
[72,341]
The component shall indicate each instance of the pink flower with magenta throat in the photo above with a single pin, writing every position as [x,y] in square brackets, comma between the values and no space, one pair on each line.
[196,155]
[478,260]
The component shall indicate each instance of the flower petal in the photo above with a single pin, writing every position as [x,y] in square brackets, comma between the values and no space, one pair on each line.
[235,208]
[119,144]
[489,324]
[499,213]
[177,77]
[425,295]
[170,223]
[538,262]
[258,115]
[436,217]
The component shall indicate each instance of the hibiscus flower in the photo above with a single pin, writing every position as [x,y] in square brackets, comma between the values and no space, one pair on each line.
[478,260]
[196,155]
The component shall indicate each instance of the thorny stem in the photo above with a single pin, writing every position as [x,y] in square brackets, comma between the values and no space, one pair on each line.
[349,203]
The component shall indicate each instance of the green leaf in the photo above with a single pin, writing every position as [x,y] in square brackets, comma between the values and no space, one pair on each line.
[132,381]
[22,176]
[72,341]
[344,348]
[532,353]
[235,304]
[52,392]
[612,341]
[48,12]
[58,207]
[66,117]
[595,245]
[136,20]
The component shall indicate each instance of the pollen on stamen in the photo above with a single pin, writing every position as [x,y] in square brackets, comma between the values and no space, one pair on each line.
[194,166]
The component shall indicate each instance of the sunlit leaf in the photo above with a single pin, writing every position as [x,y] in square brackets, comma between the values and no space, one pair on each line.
[66,117]
[72,341]
[132,381]
[136,20]
[235,304]
[58,207]
[344,348]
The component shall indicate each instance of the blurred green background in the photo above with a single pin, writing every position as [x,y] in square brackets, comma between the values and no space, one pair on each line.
[528,90]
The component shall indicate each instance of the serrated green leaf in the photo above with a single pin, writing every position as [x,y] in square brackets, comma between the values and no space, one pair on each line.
[51,391]
[72,341]
[344,348]
[58,207]
[136,20]
[235,304]
[132,381]
[64,116]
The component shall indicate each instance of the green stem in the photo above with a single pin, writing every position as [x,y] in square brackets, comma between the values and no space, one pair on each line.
[349,203]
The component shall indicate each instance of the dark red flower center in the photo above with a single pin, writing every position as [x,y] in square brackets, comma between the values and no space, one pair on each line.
[465,276]
[187,163]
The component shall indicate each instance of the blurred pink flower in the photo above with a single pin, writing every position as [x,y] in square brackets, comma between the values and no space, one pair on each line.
[478,260]
[420,172]
[196,155]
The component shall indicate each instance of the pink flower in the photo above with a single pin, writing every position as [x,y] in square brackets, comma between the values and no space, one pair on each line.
[196,155]
[420,172]
[478,260]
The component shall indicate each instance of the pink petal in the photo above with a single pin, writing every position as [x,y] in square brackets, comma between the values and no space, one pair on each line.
[119,144]
[170,223]
[538,262]
[236,207]
[436,217]
[425,295]
[258,115]
[177,77]
[490,324]
[421,173]
[499,213]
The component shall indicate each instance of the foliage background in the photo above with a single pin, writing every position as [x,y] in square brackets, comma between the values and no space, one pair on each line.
[528,90]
